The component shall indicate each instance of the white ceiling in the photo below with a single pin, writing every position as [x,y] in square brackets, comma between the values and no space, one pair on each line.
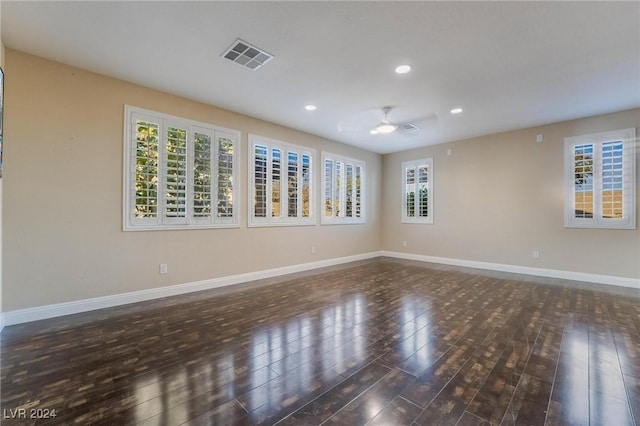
[510,65]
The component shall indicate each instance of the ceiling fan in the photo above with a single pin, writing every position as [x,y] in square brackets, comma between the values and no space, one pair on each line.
[365,121]
[386,126]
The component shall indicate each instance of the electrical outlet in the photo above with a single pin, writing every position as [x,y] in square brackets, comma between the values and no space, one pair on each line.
[313,249]
[449,152]
[404,243]
[539,138]
[536,254]
[164,269]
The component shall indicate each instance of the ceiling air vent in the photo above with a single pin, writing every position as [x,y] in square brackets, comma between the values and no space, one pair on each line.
[408,127]
[247,55]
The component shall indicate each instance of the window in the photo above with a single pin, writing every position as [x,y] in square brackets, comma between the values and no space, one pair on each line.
[417,191]
[178,173]
[342,189]
[281,184]
[600,180]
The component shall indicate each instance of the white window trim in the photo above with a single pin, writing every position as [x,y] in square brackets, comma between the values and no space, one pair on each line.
[428,220]
[343,219]
[130,222]
[628,220]
[283,220]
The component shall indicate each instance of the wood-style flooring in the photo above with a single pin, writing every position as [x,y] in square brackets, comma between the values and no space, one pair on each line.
[380,342]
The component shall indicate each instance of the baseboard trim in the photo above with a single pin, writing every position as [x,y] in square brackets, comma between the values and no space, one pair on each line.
[527,270]
[20,316]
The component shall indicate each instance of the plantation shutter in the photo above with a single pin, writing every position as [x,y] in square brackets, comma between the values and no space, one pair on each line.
[224,155]
[281,180]
[146,134]
[342,181]
[178,173]
[600,180]
[417,191]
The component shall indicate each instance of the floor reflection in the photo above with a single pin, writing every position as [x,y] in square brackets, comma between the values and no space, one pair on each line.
[411,343]
[417,347]
[575,389]
[290,353]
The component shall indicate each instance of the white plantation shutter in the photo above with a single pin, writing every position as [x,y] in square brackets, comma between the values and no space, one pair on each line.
[600,180]
[423,191]
[417,191]
[225,156]
[145,167]
[260,181]
[328,187]
[178,173]
[276,182]
[358,189]
[306,186]
[342,182]
[201,197]
[175,176]
[281,183]
[292,184]
[348,196]
[612,180]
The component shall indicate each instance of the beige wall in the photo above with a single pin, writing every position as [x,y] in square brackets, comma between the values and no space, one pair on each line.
[499,197]
[63,195]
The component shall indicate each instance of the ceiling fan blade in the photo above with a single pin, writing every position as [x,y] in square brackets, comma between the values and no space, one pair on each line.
[362,121]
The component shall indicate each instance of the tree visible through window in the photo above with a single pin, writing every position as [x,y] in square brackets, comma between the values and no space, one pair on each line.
[178,173]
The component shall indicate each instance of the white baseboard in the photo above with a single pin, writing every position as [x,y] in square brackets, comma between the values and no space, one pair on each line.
[59,309]
[542,272]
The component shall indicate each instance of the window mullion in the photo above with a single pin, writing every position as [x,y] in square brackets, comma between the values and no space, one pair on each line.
[343,190]
[597,183]
[214,167]
[269,188]
[418,213]
[300,186]
[162,171]
[188,207]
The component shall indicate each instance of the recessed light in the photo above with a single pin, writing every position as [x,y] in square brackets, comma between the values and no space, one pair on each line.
[374,132]
[310,107]
[403,69]
[456,110]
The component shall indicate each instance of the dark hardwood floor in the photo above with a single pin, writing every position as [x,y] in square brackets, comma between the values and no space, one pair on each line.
[381,342]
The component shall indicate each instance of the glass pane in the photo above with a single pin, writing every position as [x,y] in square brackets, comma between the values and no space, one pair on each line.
[201,175]
[225,177]
[306,186]
[612,202]
[410,191]
[147,150]
[328,188]
[358,192]
[583,180]
[349,191]
[338,189]
[292,195]
[260,181]
[423,191]
[276,182]
[176,173]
